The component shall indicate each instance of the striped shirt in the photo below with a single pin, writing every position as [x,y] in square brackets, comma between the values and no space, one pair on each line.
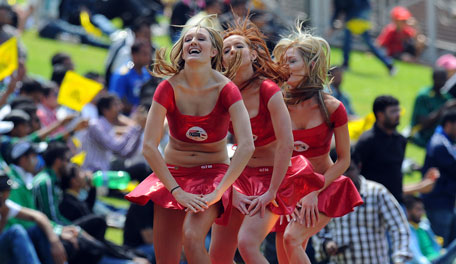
[364,230]
[100,143]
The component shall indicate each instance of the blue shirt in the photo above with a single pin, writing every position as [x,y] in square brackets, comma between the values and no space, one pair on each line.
[441,153]
[128,85]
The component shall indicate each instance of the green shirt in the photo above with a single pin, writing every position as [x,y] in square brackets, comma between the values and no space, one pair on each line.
[425,243]
[426,102]
[48,195]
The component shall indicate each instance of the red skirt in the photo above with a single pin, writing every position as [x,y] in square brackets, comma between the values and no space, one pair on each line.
[197,180]
[338,199]
[299,180]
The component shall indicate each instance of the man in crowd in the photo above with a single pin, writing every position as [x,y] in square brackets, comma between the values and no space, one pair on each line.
[101,141]
[382,148]
[429,107]
[440,202]
[360,236]
[423,242]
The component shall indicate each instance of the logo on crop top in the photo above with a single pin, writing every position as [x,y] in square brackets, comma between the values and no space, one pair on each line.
[196,134]
[300,146]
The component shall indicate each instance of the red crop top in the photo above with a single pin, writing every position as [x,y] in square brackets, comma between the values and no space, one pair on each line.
[198,129]
[316,141]
[262,129]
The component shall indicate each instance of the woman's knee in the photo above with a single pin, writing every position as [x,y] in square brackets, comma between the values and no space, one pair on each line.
[192,237]
[293,239]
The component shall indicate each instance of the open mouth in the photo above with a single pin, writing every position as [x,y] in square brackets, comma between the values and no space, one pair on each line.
[194,51]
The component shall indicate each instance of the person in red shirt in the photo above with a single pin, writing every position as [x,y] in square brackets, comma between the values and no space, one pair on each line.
[401,38]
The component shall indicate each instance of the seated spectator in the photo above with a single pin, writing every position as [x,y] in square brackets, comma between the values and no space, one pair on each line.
[38,244]
[126,83]
[400,38]
[211,7]
[138,230]
[429,106]
[101,142]
[47,109]
[440,202]
[119,54]
[61,58]
[90,111]
[423,242]
[448,62]
[337,73]
[360,236]
[33,89]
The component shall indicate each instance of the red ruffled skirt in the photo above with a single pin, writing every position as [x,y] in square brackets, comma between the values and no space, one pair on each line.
[299,180]
[197,180]
[338,199]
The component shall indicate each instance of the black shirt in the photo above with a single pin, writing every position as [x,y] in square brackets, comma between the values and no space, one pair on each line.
[72,208]
[381,158]
[138,218]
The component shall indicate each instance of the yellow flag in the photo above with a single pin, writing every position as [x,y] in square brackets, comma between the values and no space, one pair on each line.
[8,58]
[358,26]
[359,126]
[87,25]
[79,158]
[76,91]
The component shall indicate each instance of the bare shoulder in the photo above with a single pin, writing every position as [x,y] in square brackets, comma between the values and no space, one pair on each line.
[220,79]
[331,103]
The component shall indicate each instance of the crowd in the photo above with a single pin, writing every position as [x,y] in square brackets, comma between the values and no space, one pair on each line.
[296,189]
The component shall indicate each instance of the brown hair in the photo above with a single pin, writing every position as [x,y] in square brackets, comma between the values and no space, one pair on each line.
[315,52]
[162,68]
[263,65]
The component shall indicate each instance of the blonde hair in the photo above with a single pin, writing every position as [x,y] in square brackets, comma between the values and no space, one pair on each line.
[315,52]
[162,68]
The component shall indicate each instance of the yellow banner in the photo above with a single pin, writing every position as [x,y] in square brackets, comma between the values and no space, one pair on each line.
[8,58]
[76,91]
[359,126]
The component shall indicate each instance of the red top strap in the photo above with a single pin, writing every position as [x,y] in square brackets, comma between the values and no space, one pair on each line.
[339,117]
[164,95]
[229,95]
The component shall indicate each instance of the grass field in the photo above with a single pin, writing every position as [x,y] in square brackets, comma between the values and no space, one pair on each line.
[366,79]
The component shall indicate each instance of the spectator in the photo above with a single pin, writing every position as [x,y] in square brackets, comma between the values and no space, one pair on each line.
[73,180]
[428,109]
[90,111]
[47,109]
[21,121]
[62,58]
[440,202]
[423,243]
[33,89]
[182,11]
[119,54]
[355,12]
[360,236]
[21,246]
[338,74]
[138,230]
[211,7]
[101,142]
[127,83]
[382,148]
[448,62]
[400,38]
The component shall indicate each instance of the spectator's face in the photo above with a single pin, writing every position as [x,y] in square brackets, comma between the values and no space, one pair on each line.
[391,116]
[30,164]
[51,100]
[5,17]
[69,64]
[21,130]
[143,56]
[35,123]
[114,110]
[234,44]
[338,77]
[3,197]
[416,213]
[79,181]
[452,130]
[400,24]
[143,33]
[295,63]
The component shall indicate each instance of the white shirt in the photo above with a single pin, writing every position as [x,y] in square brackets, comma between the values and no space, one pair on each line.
[13,207]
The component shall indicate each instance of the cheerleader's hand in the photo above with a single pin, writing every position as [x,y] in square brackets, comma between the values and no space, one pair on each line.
[212,198]
[308,213]
[242,202]
[260,203]
[193,202]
